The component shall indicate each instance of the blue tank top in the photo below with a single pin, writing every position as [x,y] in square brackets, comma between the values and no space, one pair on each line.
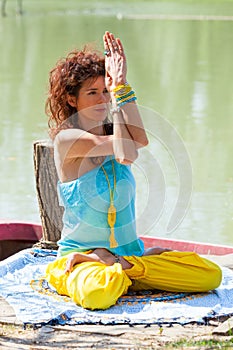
[86,201]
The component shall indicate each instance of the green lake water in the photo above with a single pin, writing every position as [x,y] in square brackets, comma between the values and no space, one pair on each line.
[180,65]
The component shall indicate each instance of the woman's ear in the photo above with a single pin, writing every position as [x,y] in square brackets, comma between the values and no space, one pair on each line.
[72,100]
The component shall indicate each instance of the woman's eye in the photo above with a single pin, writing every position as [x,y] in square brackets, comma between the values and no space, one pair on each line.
[105,91]
[92,93]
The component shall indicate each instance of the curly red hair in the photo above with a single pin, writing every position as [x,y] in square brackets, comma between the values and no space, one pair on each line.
[66,79]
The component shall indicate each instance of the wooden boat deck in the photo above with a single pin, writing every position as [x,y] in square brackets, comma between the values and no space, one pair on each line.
[15,236]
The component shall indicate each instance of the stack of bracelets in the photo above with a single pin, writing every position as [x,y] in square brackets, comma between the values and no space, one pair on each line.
[124,94]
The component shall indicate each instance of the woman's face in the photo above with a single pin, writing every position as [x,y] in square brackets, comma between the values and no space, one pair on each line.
[92,101]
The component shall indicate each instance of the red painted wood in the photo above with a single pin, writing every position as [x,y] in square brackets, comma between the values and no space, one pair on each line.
[24,231]
[201,248]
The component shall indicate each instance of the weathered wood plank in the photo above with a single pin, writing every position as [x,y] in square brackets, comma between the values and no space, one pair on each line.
[46,186]
[226,328]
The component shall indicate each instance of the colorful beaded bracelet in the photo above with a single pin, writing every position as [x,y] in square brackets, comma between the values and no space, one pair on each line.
[122,89]
[122,97]
[127,101]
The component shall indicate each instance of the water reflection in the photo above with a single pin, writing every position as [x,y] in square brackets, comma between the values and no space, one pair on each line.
[181,69]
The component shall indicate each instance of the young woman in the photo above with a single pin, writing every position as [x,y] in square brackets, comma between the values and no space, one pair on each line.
[100,256]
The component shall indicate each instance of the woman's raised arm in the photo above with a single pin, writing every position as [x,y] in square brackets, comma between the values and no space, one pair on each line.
[122,96]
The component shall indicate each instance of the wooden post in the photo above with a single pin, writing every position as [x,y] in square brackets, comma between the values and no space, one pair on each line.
[46,187]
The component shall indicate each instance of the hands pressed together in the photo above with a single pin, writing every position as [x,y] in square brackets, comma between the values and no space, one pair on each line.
[115,61]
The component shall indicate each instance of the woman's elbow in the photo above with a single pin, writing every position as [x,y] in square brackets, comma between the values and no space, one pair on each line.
[128,159]
[142,142]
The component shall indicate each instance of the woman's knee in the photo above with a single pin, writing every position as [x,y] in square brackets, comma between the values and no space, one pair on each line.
[212,278]
[97,286]
[206,277]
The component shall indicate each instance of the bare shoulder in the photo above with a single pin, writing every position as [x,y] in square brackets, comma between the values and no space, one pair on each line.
[68,135]
[77,143]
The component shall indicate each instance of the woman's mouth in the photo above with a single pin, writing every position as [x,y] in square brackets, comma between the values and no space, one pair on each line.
[101,110]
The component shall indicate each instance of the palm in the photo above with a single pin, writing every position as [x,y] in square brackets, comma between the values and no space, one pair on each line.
[115,62]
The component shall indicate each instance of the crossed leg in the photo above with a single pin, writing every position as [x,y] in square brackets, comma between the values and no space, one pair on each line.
[96,281]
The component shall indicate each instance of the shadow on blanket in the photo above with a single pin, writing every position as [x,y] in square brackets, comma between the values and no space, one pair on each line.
[36,302]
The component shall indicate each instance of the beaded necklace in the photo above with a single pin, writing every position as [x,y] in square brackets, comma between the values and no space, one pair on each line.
[112,208]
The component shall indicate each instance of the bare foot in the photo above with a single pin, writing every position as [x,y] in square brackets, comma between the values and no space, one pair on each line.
[109,259]
[156,251]
[74,259]
[101,255]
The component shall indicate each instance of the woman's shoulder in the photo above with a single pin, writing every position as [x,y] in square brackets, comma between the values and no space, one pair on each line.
[65,135]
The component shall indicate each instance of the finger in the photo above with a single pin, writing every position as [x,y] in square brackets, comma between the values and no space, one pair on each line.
[107,52]
[120,46]
[111,41]
[114,43]
[108,39]
[117,45]
[112,37]
[106,46]
[69,266]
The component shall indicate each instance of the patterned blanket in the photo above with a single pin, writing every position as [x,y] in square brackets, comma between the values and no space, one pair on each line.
[34,301]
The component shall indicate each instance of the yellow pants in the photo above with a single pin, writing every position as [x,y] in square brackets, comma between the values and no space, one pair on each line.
[94,285]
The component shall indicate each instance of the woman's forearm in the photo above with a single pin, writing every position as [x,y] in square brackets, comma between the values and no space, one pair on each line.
[134,124]
[124,146]
[123,98]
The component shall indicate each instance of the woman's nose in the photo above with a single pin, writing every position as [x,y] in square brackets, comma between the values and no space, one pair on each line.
[104,98]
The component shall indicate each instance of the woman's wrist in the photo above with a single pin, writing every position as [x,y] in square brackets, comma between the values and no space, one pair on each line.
[121,95]
[121,81]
